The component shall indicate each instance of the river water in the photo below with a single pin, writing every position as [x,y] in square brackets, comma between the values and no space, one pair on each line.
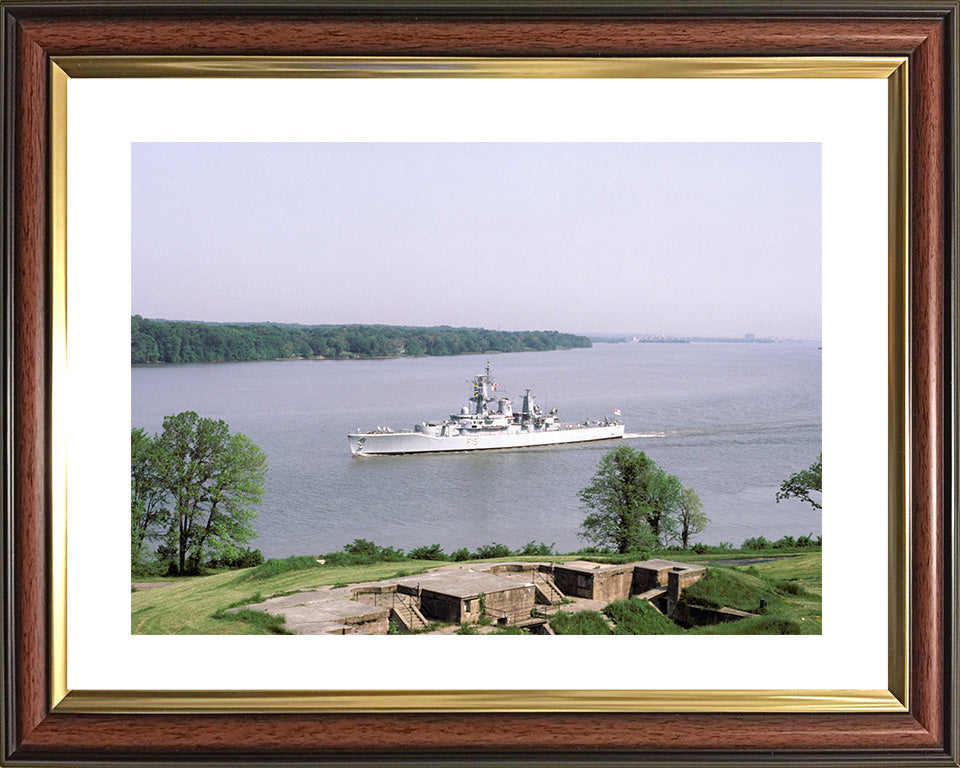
[730,420]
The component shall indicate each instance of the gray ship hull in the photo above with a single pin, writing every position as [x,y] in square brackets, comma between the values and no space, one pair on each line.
[387,443]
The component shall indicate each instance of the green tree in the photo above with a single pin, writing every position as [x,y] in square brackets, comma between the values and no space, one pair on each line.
[148,497]
[168,341]
[634,502]
[143,347]
[801,484]
[691,519]
[215,481]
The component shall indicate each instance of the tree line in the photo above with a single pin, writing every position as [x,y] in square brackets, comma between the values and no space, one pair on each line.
[167,341]
[635,506]
[194,492]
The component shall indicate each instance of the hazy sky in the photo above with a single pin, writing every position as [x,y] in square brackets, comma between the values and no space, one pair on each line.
[711,239]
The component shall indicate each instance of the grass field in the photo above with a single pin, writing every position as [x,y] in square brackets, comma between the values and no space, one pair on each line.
[187,606]
[195,605]
[804,572]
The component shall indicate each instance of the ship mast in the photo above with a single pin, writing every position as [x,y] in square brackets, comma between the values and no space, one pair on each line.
[481,395]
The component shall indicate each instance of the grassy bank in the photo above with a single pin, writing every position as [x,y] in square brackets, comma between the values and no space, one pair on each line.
[189,606]
[792,588]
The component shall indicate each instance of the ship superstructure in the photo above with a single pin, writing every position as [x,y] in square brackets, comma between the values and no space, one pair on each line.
[487,422]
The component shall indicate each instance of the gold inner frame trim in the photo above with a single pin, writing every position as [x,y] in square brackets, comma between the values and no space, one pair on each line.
[898,384]
[58,370]
[893,69]
[430,66]
[234,702]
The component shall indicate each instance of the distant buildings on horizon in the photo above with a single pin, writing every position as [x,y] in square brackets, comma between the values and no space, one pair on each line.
[654,338]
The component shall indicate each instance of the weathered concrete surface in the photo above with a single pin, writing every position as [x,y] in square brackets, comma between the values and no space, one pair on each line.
[595,581]
[455,595]
[653,594]
[699,615]
[460,583]
[321,612]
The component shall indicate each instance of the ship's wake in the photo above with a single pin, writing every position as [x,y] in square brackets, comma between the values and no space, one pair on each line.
[628,435]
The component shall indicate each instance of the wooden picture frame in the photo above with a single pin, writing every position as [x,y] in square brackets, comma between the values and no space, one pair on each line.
[39,730]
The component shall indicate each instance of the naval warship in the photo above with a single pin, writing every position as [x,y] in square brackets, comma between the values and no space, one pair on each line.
[487,423]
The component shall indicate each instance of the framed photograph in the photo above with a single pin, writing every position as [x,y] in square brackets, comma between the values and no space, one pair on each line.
[724,178]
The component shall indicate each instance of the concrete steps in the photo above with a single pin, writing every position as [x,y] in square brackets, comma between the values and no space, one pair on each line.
[547,589]
[408,616]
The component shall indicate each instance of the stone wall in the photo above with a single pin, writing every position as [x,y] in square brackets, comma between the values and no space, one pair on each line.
[678,580]
[645,579]
[610,585]
[698,615]
[370,624]
[375,594]
[573,583]
[516,603]
[513,605]
[439,607]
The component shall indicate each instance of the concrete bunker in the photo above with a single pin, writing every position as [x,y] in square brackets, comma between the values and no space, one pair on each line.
[467,596]
[504,593]
[654,580]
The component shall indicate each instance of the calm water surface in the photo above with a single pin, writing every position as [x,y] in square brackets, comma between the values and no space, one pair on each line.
[730,420]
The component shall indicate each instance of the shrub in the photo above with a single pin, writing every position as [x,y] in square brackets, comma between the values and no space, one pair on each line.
[363,552]
[593,551]
[275,567]
[246,558]
[460,555]
[699,548]
[510,629]
[366,553]
[273,625]
[785,542]
[756,543]
[638,617]
[539,549]
[492,550]
[391,555]
[249,559]
[432,552]
[362,548]
[582,623]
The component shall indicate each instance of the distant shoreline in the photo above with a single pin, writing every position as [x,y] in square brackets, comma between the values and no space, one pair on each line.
[320,358]
[154,342]
[698,339]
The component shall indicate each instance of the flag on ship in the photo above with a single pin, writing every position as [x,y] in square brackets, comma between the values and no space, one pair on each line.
[616,411]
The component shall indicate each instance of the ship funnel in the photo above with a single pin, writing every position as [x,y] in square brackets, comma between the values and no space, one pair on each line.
[528,402]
